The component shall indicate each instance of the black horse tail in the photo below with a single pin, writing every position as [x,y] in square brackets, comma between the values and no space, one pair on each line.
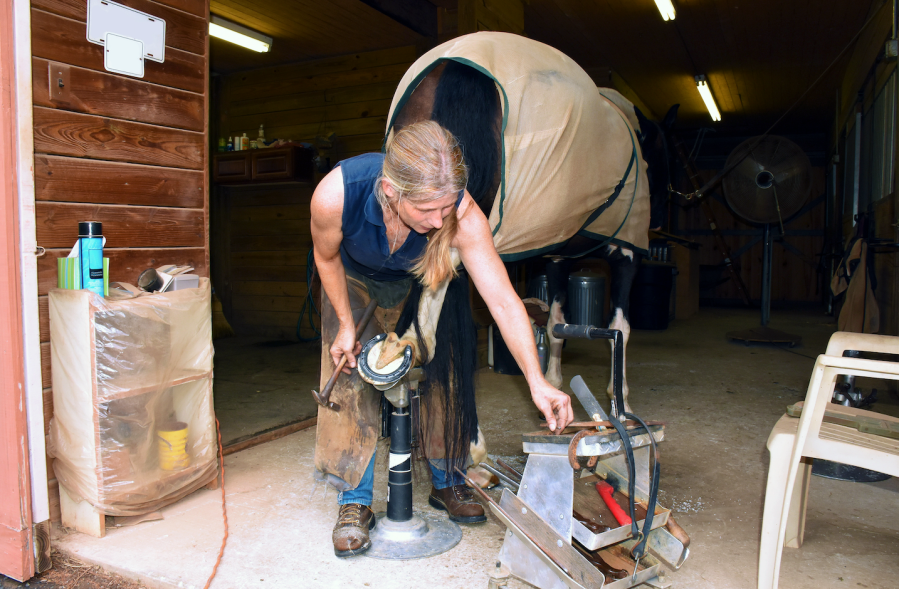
[448,393]
[466,104]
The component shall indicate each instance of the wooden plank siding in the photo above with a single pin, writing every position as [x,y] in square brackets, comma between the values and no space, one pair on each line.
[347,95]
[792,278]
[130,153]
[263,285]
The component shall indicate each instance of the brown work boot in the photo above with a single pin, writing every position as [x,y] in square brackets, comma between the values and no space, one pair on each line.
[350,534]
[459,502]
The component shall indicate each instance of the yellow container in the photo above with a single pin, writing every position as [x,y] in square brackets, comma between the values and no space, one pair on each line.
[173,446]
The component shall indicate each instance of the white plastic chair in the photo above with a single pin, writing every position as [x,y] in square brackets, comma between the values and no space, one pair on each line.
[794,442]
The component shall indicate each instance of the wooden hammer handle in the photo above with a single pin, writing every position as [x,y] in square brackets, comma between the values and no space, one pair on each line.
[360,327]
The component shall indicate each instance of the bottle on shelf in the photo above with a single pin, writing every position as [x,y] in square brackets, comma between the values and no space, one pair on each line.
[244,142]
[221,144]
[260,141]
[230,146]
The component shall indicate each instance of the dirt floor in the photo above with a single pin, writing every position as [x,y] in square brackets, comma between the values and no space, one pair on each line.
[68,573]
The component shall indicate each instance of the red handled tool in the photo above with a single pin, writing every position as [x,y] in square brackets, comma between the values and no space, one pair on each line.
[606,491]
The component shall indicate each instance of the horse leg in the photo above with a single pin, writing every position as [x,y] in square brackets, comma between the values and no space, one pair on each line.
[623,263]
[428,315]
[557,270]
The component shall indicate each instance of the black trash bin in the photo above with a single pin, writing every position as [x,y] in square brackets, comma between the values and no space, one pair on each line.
[651,295]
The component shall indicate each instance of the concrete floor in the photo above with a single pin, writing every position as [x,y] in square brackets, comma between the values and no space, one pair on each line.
[720,401]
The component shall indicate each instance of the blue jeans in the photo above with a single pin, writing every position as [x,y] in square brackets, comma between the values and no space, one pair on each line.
[363,493]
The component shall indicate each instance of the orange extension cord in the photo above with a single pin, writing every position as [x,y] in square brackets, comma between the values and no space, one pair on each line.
[224,512]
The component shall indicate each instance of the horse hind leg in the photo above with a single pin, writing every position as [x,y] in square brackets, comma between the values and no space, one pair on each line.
[557,271]
[623,263]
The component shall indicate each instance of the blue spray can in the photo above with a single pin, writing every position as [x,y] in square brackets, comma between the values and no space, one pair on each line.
[90,253]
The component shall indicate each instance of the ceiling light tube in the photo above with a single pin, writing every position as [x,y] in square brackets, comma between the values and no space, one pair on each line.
[666,8]
[234,33]
[706,93]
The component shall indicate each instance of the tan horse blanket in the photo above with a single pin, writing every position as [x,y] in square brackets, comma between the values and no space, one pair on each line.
[572,163]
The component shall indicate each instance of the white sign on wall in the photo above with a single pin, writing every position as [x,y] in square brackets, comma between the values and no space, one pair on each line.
[127,27]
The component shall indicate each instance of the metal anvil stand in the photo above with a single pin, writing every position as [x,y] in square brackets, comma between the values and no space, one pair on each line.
[401,534]
[540,518]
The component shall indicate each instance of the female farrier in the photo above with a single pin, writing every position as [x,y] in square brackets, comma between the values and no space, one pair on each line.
[378,222]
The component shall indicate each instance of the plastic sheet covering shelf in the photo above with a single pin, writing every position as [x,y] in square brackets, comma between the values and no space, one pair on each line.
[124,371]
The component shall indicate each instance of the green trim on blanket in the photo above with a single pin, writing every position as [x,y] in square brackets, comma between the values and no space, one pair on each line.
[551,248]
[414,84]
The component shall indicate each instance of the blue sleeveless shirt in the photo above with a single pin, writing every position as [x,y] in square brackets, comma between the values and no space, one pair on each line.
[364,248]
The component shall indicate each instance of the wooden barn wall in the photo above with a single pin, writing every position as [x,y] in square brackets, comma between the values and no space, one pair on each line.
[262,232]
[128,152]
[260,247]
[794,276]
[865,70]
[348,96]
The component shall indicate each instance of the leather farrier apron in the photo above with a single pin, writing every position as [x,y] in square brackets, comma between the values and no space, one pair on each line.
[345,440]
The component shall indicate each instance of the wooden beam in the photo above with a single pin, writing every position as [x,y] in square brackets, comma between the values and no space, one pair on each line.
[16,550]
[418,15]
[268,435]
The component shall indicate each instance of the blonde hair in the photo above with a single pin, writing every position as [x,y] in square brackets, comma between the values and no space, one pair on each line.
[423,162]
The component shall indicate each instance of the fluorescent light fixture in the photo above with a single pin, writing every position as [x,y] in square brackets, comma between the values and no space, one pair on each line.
[234,33]
[666,8]
[704,91]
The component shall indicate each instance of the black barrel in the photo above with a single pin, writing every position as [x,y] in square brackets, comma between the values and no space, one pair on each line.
[651,296]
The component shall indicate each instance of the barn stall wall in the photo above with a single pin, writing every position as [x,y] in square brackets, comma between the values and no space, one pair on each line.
[869,85]
[795,273]
[130,153]
[261,234]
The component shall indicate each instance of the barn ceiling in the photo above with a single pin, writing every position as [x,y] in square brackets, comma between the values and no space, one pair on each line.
[759,55]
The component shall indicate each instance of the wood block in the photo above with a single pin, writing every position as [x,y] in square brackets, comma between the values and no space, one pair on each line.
[80,515]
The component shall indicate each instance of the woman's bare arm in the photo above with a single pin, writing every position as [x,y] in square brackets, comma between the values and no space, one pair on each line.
[327,233]
[475,244]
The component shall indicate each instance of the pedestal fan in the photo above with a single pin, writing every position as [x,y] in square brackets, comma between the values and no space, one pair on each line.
[769,184]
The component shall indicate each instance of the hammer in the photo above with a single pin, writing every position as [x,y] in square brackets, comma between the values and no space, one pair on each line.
[322,398]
